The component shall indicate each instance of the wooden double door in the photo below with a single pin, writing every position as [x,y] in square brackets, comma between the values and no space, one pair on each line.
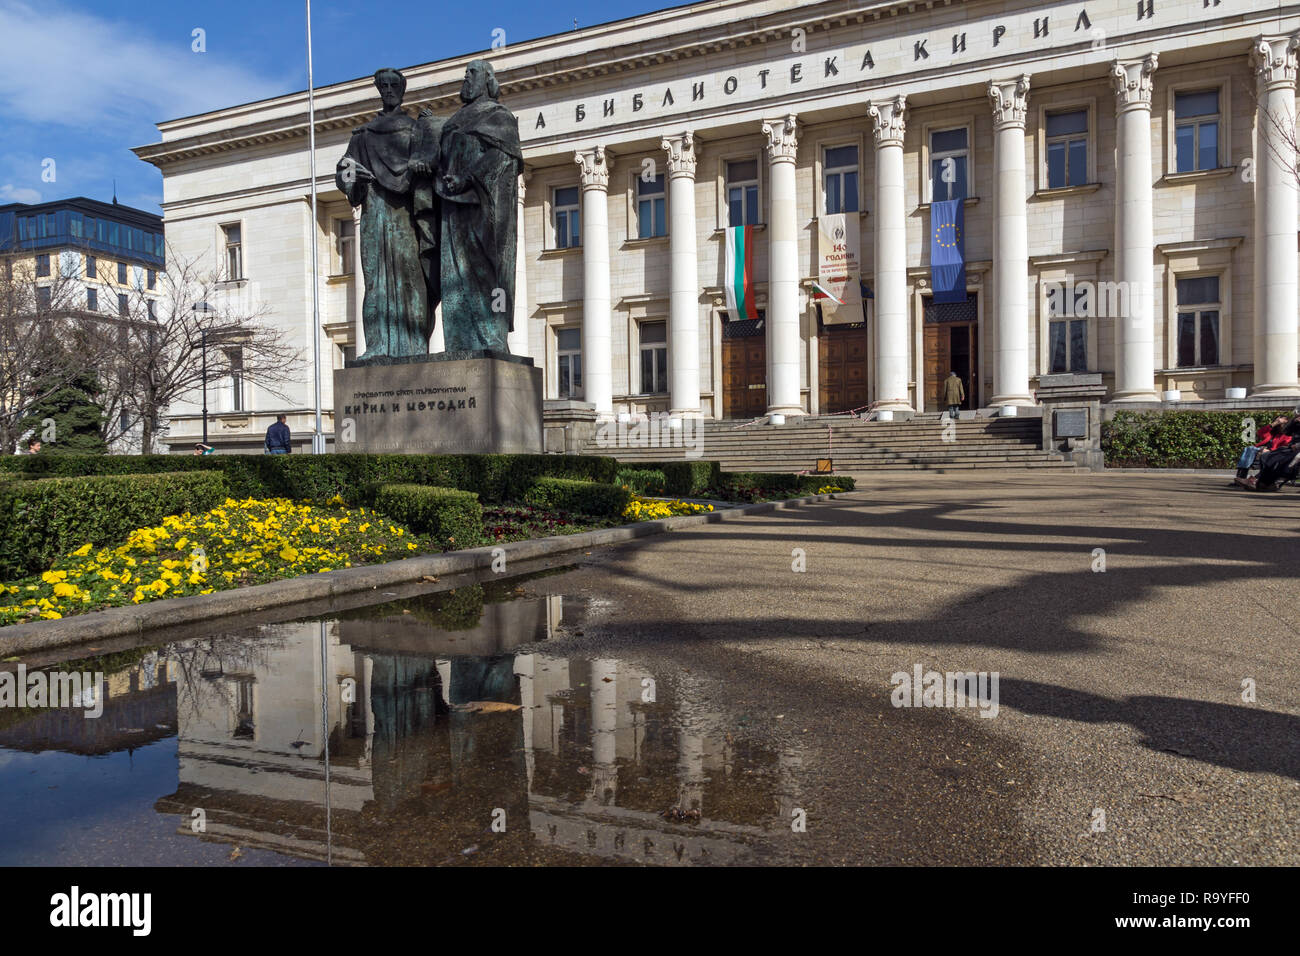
[744,368]
[842,372]
[951,339]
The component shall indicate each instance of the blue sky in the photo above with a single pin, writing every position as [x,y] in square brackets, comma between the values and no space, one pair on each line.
[82,81]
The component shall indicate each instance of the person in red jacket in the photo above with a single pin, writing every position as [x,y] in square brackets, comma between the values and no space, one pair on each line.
[1271,437]
[1282,437]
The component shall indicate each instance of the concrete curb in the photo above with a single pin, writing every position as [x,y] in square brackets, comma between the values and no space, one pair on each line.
[136,620]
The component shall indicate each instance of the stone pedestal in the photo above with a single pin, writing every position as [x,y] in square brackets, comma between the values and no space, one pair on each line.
[570,425]
[1071,405]
[453,403]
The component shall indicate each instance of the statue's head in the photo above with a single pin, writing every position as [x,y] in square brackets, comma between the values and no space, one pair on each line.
[480,81]
[392,87]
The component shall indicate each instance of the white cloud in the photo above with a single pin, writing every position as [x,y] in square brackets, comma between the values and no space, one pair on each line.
[60,66]
[11,193]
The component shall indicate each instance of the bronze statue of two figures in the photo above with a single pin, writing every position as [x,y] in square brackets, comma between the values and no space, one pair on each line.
[438,220]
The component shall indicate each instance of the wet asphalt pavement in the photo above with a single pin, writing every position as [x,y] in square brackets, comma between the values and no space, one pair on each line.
[1121,736]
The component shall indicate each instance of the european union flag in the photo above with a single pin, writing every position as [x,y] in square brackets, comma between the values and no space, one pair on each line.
[948,250]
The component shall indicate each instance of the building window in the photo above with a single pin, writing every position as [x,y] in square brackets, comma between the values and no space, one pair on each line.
[651,219]
[568,224]
[233,235]
[42,265]
[1198,321]
[236,357]
[92,299]
[151,279]
[43,297]
[92,267]
[122,307]
[568,362]
[1067,328]
[654,357]
[742,193]
[121,273]
[1067,149]
[841,179]
[151,308]
[949,161]
[1196,130]
[345,234]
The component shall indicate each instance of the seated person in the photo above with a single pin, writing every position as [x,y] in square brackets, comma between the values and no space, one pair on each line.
[1271,437]
[1279,464]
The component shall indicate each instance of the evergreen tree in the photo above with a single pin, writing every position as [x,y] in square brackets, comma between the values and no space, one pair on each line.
[73,408]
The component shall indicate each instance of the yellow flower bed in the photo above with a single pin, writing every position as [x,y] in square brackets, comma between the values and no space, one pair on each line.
[643,509]
[241,542]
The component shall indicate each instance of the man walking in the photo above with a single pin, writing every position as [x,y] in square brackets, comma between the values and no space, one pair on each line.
[278,439]
[954,393]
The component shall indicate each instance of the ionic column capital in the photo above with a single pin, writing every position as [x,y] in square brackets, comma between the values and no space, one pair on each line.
[1274,60]
[1010,101]
[594,166]
[1133,80]
[782,138]
[890,120]
[683,151]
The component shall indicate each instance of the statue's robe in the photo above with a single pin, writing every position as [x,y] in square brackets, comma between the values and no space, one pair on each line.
[480,152]
[398,234]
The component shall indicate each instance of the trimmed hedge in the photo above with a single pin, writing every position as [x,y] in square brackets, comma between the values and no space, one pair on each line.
[453,518]
[644,481]
[493,478]
[1181,439]
[592,498]
[42,520]
[781,482]
[687,478]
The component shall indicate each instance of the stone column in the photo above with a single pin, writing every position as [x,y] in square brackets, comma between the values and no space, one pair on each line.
[684,284]
[1274,61]
[517,340]
[783,270]
[1135,329]
[597,356]
[890,256]
[358,282]
[1010,102]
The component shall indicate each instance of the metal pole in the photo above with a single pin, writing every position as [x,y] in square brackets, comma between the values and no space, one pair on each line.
[318,435]
[203,337]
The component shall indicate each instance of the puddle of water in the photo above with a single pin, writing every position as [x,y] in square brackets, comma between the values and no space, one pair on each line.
[429,731]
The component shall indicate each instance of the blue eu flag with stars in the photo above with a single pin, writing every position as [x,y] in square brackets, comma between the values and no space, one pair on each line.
[948,250]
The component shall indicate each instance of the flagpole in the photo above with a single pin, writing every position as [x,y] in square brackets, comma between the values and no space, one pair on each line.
[318,435]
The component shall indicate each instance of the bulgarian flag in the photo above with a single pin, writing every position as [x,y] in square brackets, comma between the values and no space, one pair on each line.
[740,273]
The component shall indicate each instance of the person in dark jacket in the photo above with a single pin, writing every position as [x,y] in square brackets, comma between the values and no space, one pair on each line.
[1271,437]
[278,439]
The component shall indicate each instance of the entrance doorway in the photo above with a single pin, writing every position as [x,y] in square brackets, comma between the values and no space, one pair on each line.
[842,377]
[744,367]
[951,344]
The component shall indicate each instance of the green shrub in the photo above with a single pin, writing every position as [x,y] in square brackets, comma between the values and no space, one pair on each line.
[686,479]
[1181,439]
[592,498]
[748,485]
[42,520]
[493,478]
[644,481]
[452,518]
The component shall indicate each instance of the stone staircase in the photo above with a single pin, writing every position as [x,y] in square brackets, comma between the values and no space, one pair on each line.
[857,446]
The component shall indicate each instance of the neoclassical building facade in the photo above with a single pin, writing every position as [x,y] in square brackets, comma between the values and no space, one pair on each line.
[1126,171]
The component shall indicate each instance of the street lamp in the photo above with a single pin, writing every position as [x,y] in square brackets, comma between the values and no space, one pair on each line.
[203,340]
